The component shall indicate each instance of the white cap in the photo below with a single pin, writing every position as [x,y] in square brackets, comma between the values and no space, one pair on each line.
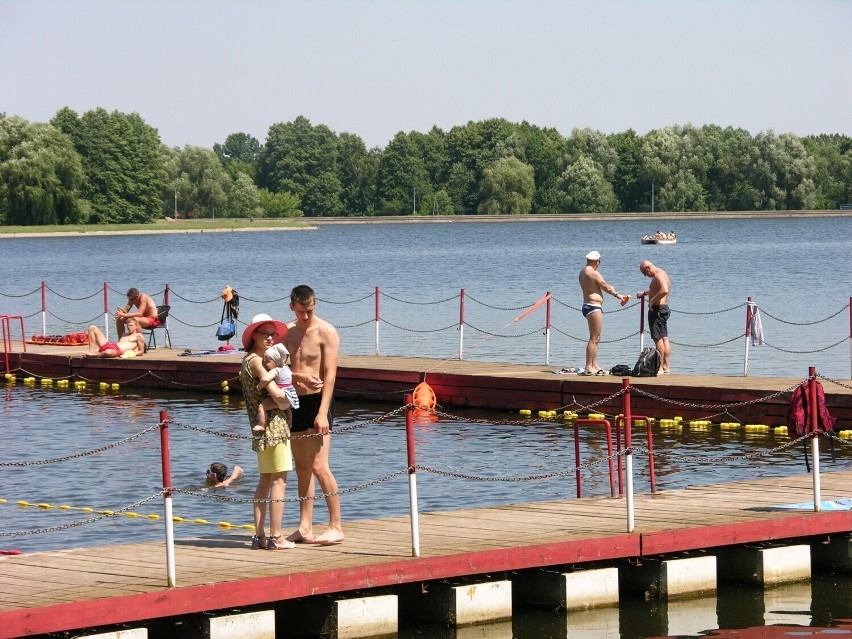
[594,255]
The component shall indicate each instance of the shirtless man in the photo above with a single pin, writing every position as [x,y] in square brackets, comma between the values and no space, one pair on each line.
[658,310]
[314,347]
[145,313]
[593,284]
[99,346]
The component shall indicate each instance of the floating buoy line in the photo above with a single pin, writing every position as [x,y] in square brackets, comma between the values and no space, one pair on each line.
[129,514]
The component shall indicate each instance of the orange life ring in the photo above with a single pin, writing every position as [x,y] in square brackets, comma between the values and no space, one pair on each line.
[424,396]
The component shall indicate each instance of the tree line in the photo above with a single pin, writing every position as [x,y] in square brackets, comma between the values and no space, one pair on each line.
[105,167]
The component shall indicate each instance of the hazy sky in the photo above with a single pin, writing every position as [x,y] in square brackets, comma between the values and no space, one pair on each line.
[198,70]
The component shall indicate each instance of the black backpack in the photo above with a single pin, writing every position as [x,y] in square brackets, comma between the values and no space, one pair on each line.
[648,363]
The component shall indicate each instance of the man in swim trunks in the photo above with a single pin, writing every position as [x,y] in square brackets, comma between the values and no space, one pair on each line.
[658,310]
[145,313]
[593,284]
[99,346]
[314,347]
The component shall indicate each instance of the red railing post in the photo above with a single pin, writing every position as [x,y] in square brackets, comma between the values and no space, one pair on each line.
[167,296]
[412,475]
[106,310]
[628,452]
[167,498]
[43,308]
[747,333]
[813,410]
[377,320]
[461,324]
[547,331]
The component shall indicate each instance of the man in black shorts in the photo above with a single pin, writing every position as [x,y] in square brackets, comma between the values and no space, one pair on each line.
[314,347]
[658,310]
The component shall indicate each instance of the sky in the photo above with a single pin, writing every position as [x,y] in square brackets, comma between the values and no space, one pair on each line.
[199,70]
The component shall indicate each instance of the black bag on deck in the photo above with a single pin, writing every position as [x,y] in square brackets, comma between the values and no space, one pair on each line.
[621,370]
[648,363]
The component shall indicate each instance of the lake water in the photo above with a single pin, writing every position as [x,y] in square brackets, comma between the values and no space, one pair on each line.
[796,270]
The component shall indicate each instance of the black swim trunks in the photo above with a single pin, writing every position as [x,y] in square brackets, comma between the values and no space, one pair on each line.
[303,417]
[658,317]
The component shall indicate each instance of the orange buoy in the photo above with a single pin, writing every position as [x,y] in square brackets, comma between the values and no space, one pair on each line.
[424,396]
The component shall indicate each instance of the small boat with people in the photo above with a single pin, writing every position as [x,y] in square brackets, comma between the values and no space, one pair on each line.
[660,238]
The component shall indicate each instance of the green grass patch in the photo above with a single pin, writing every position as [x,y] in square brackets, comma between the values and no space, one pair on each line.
[222,224]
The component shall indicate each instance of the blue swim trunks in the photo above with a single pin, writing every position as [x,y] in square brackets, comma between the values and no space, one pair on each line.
[590,308]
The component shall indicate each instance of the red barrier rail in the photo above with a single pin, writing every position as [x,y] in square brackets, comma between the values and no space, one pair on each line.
[608,426]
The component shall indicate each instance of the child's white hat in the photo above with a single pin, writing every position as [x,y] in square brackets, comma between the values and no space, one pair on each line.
[278,353]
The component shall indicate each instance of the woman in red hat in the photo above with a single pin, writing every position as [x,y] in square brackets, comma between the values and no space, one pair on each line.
[273,446]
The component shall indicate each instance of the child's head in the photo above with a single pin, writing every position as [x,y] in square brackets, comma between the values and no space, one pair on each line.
[276,355]
[216,473]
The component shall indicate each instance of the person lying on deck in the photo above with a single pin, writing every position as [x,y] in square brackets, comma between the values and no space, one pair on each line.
[100,346]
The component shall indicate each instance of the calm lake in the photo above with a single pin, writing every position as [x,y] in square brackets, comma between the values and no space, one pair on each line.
[797,271]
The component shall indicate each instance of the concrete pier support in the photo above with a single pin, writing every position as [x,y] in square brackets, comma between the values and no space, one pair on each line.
[667,578]
[749,564]
[352,618]
[248,625]
[576,590]
[458,605]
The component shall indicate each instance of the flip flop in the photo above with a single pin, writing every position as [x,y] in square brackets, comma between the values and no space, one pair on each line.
[586,373]
[602,372]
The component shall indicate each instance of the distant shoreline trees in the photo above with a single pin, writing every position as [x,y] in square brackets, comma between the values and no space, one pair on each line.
[106,167]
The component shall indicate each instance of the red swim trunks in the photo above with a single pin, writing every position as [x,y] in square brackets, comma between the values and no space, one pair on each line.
[153,322]
[110,346]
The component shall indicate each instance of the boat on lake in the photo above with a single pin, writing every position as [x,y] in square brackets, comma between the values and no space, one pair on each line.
[660,238]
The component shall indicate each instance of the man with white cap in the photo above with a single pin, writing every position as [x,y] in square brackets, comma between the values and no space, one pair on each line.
[593,284]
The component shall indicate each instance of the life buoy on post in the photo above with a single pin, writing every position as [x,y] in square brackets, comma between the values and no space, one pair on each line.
[424,396]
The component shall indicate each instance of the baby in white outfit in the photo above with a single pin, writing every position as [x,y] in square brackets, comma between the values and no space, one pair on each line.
[282,394]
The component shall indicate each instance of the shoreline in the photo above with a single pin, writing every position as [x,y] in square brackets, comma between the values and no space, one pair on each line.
[316,223]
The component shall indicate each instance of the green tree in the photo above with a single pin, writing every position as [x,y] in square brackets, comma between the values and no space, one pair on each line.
[301,159]
[279,204]
[631,192]
[357,171]
[40,175]
[121,160]
[584,188]
[507,187]
[402,176]
[239,154]
[244,198]
[203,184]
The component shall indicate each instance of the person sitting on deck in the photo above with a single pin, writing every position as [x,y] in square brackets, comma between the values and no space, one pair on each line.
[145,313]
[100,346]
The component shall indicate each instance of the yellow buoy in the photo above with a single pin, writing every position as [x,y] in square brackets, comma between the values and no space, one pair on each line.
[756,428]
[597,416]
[525,412]
[114,387]
[845,434]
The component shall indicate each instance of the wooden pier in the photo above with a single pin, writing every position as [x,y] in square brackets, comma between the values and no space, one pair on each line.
[456,383]
[126,584]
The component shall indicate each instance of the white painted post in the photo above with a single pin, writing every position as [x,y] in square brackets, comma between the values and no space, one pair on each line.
[412,478]
[814,428]
[461,325]
[377,320]
[747,332]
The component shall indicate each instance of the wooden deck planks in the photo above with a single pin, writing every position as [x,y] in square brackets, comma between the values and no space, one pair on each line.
[75,584]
